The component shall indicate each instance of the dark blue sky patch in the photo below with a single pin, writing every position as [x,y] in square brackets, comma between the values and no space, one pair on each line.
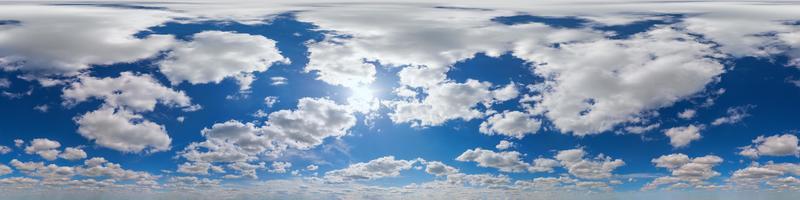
[558,22]
[627,30]
[10,22]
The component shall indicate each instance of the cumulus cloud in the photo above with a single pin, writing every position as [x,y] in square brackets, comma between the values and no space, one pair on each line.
[239,143]
[5,150]
[685,170]
[65,39]
[199,168]
[504,144]
[597,85]
[46,148]
[437,168]
[512,124]
[687,114]
[683,135]
[212,56]
[72,153]
[135,92]
[4,169]
[348,70]
[381,167]
[116,124]
[312,167]
[598,168]
[122,130]
[776,145]
[505,161]
[280,167]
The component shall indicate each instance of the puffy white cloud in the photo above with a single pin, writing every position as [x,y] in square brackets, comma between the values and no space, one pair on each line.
[735,115]
[348,70]
[312,167]
[444,102]
[505,161]
[593,86]
[135,92]
[72,153]
[685,170]
[484,180]
[18,142]
[687,114]
[270,100]
[776,145]
[116,124]
[199,168]
[212,56]
[280,167]
[512,124]
[122,130]
[543,165]
[506,93]
[44,147]
[439,169]
[235,142]
[279,80]
[381,167]
[5,170]
[67,39]
[504,144]
[245,170]
[683,135]
[598,168]
[641,129]
[5,150]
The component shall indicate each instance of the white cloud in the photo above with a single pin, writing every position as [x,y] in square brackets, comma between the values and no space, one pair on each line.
[444,102]
[687,114]
[512,124]
[279,80]
[776,145]
[122,130]
[270,101]
[506,93]
[437,168]
[212,56]
[598,168]
[544,165]
[685,170]
[381,167]
[505,161]
[198,168]
[44,147]
[682,136]
[116,124]
[735,115]
[72,153]
[66,39]
[312,167]
[642,129]
[504,144]
[280,167]
[594,86]
[5,150]
[5,170]
[134,92]
[308,126]
[18,142]
[347,70]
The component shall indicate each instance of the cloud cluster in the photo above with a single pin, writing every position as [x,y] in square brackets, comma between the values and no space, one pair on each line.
[212,56]
[685,170]
[776,145]
[116,124]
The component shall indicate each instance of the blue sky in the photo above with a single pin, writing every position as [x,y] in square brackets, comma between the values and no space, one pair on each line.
[357,100]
